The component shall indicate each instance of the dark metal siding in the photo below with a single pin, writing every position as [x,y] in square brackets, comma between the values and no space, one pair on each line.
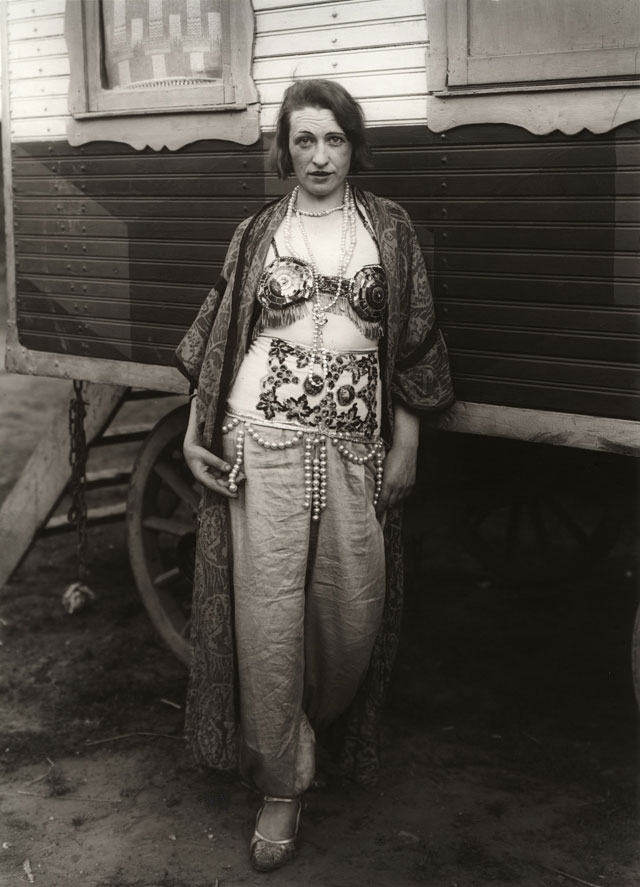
[531,242]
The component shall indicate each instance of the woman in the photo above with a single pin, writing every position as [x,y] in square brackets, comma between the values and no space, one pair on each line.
[312,357]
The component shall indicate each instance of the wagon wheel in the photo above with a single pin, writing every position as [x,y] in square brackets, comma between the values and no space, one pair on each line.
[161,530]
[635,656]
[538,532]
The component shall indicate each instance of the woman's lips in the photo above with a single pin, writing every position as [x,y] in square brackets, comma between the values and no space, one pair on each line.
[320,175]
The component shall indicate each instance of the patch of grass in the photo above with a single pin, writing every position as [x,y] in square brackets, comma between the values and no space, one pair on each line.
[58,782]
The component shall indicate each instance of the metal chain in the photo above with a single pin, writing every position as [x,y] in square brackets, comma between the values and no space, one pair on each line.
[77,514]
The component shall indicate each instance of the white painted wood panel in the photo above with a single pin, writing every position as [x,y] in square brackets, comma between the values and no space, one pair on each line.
[374,62]
[30,88]
[337,14]
[27,9]
[378,34]
[44,67]
[35,49]
[36,28]
[376,48]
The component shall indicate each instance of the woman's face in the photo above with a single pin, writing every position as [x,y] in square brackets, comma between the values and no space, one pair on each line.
[320,153]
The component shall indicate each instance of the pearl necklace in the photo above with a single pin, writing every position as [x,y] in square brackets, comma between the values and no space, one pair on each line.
[315,381]
[319,213]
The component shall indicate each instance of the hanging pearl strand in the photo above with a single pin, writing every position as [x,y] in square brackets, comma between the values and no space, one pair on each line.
[315,460]
[315,382]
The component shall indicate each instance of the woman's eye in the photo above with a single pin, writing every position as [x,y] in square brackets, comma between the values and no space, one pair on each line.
[336,140]
[303,141]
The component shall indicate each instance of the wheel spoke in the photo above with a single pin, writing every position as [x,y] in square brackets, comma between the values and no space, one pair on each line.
[178,484]
[186,627]
[166,578]
[563,515]
[167,525]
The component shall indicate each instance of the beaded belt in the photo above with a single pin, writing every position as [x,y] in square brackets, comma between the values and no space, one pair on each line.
[314,441]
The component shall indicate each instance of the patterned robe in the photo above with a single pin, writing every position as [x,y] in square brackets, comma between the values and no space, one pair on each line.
[415,371]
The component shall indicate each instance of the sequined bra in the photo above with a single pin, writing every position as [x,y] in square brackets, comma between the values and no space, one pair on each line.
[287,285]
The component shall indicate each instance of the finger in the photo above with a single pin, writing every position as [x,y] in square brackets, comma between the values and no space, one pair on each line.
[218,485]
[211,459]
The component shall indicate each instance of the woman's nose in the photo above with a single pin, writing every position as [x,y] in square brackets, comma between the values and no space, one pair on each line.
[320,156]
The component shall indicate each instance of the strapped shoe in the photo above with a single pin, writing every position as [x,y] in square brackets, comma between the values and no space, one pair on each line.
[266,855]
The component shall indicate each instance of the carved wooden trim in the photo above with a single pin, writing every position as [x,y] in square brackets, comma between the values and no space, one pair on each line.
[227,111]
[538,107]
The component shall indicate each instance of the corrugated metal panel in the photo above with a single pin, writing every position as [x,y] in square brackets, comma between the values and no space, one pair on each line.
[375,47]
[536,287]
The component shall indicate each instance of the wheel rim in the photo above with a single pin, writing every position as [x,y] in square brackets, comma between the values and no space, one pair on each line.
[161,530]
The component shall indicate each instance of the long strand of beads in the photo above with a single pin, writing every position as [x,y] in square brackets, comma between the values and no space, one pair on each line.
[315,381]
[308,471]
[375,454]
[237,464]
[315,475]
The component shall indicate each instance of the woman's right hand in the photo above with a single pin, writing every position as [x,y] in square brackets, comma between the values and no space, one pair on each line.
[208,469]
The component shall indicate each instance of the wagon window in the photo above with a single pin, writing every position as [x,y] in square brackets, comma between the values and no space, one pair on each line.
[157,57]
[540,64]
[512,44]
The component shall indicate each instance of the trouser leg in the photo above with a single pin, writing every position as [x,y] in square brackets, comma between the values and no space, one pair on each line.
[270,539]
[301,656]
[345,594]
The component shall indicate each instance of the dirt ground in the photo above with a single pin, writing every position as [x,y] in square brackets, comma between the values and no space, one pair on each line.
[509,745]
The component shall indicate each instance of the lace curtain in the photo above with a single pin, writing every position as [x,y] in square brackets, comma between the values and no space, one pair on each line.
[149,43]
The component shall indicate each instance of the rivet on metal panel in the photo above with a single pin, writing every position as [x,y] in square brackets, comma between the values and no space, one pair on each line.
[444,159]
[58,207]
[443,135]
[443,185]
[82,167]
[334,39]
[84,267]
[83,187]
[66,246]
[73,286]
[245,209]
[84,288]
[445,286]
[49,149]
[244,186]
[444,235]
[68,267]
[56,187]
[82,208]
[334,14]
[445,260]
[245,163]
[443,212]
[84,227]
[86,307]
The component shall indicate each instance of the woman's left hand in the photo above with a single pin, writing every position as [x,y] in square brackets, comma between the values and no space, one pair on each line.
[400,464]
[399,476]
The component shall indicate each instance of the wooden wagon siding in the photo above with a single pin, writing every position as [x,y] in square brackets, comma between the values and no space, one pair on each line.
[531,240]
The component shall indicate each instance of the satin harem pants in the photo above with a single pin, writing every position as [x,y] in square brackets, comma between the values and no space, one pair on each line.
[305,623]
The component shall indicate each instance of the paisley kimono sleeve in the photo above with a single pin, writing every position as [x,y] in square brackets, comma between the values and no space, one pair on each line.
[190,352]
[421,379]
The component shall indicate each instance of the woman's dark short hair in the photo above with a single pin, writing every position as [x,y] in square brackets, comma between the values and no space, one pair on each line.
[335,98]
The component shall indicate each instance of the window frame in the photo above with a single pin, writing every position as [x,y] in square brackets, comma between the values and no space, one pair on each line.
[224,109]
[572,68]
[536,105]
